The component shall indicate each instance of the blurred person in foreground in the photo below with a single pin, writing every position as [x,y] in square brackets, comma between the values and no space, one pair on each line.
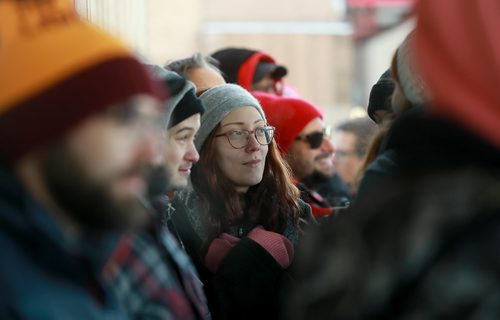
[149,271]
[302,140]
[201,71]
[427,246]
[77,148]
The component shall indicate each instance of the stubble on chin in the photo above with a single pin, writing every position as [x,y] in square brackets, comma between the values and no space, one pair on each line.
[91,204]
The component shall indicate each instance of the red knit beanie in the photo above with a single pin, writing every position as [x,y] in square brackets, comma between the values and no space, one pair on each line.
[57,69]
[288,115]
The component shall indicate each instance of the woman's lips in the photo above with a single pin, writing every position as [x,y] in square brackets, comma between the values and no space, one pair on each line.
[252,163]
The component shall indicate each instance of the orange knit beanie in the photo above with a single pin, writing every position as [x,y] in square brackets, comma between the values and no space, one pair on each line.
[55,70]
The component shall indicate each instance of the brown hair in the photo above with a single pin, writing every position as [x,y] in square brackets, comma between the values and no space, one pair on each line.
[273,202]
[373,150]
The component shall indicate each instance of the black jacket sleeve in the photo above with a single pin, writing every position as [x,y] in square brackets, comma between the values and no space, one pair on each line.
[248,283]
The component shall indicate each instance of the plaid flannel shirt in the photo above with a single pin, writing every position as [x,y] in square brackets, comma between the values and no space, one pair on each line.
[154,278]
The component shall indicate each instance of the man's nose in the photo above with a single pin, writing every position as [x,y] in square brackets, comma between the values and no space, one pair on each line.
[192,154]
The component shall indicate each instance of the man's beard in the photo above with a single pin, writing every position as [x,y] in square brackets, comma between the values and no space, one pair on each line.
[158,182]
[314,179]
[316,176]
[91,204]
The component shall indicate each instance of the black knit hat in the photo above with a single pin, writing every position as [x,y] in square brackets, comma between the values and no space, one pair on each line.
[380,95]
[230,60]
[182,98]
[186,102]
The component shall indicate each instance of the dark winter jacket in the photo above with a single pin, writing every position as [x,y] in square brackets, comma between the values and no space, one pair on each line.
[332,189]
[383,167]
[43,274]
[386,164]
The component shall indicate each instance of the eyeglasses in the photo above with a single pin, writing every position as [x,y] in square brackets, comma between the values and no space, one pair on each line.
[315,139]
[240,138]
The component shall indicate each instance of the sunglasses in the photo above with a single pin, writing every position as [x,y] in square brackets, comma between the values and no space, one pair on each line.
[315,139]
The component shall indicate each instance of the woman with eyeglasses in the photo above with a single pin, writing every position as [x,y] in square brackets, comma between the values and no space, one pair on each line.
[244,216]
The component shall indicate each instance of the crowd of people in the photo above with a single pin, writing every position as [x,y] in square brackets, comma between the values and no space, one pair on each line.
[208,188]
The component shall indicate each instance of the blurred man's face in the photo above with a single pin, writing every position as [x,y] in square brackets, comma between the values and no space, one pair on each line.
[346,160]
[180,151]
[204,78]
[100,173]
[303,158]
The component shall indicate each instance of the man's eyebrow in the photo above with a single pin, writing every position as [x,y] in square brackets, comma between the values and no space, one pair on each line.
[184,129]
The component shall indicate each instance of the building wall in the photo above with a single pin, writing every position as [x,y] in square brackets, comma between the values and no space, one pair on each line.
[275,10]
[309,37]
[174,29]
[125,18]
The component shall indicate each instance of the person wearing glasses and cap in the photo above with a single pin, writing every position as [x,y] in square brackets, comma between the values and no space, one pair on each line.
[301,137]
[243,218]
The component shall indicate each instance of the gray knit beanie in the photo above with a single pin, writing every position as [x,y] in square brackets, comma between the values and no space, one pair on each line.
[219,101]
